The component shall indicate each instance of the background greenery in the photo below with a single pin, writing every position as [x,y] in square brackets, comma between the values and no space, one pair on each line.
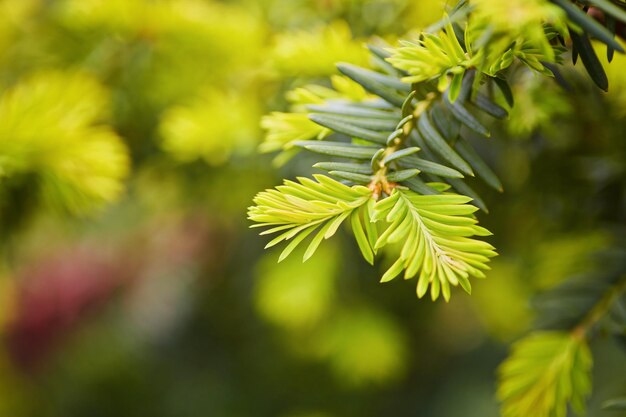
[131,284]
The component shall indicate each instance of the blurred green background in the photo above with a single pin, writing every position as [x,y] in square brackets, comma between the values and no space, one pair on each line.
[130,284]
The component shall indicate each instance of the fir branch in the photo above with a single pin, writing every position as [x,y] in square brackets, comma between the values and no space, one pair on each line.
[408,116]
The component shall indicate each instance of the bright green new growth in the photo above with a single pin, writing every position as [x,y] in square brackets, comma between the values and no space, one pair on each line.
[296,210]
[288,127]
[432,57]
[435,229]
[546,371]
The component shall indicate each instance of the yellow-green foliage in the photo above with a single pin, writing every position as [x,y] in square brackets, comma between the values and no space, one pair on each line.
[314,53]
[51,125]
[13,16]
[525,17]
[431,57]
[285,128]
[423,13]
[298,209]
[520,21]
[179,45]
[545,372]
[495,34]
[343,88]
[159,19]
[211,128]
